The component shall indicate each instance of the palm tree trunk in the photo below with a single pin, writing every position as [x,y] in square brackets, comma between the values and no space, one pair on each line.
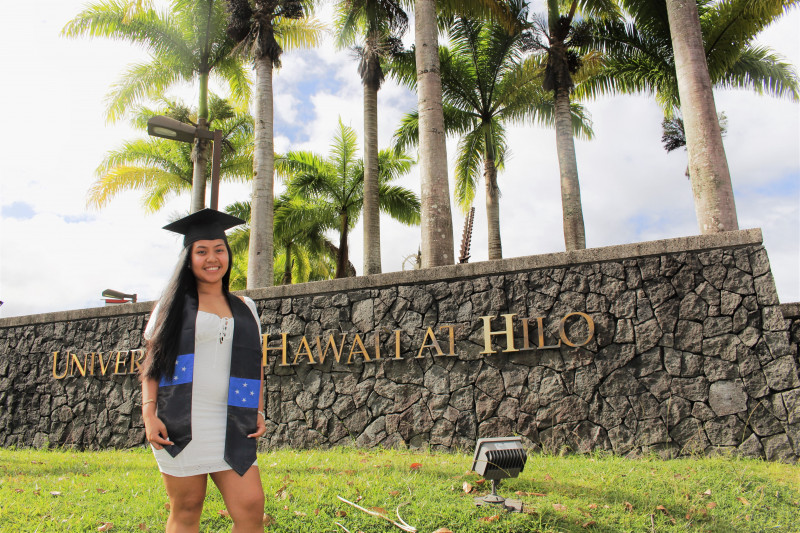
[437,220]
[342,258]
[260,260]
[372,224]
[708,166]
[492,208]
[287,266]
[200,160]
[574,233]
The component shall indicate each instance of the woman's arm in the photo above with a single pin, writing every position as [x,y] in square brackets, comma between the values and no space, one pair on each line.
[154,428]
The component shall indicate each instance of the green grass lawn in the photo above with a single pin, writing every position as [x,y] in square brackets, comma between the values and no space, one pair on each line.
[80,491]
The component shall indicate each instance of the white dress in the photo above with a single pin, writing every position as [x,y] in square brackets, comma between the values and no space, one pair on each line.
[212,364]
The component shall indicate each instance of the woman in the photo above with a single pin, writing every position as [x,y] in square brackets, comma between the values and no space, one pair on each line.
[202,389]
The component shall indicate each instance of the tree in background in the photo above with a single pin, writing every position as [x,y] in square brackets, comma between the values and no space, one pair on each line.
[263,28]
[560,38]
[186,43]
[487,82]
[638,57]
[302,252]
[336,186]
[161,168]
[380,24]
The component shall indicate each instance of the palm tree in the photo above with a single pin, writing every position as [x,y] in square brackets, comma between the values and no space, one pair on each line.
[263,28]
[336,185]
[302,252]
[486,83]
[640,57]
[437,219]
[187,43]
[161,168]
[381,23]
[560,37]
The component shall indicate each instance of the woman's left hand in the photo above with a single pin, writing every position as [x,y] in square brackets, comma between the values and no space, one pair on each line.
[261,428]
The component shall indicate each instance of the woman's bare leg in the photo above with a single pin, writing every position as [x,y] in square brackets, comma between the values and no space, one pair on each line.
[186,495]
[244,498]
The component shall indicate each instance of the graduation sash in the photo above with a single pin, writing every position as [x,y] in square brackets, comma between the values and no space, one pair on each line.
[244,386]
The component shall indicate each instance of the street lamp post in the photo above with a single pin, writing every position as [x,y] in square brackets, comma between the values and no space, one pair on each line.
[169,128]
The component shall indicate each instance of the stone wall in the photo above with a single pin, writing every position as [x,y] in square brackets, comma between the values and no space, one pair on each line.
[690,353]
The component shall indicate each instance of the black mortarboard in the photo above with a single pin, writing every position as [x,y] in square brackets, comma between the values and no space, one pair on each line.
[206,224]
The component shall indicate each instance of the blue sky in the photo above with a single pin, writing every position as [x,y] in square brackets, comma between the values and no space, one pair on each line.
[59,255]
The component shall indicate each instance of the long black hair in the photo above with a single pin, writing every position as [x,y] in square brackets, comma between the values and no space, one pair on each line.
[162,348]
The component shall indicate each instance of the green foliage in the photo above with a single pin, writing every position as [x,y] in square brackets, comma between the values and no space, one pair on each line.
[64,490]
[336,185]
[638,55]
[161,168]
[301,251]
[487,82]
[186,43]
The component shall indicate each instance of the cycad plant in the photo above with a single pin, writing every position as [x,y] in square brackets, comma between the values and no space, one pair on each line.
[161,169]
[336,186]
[186,43]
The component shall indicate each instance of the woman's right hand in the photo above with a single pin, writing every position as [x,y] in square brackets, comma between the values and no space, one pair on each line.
[156,432]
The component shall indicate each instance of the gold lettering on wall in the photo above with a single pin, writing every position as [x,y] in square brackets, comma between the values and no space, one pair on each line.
[361,350]
[266,348]
[304,344]
[451,338]
[337,351]
[130,361]
[434,344]
[563,334]
[540,327]
[488,334]
[55,366]
[137,358]
[75,362]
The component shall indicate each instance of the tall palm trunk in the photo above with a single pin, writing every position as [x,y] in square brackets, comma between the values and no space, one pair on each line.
[342,258]
[708,166]
[201,146]
[200,160]
[260,260]
[436,218]
[492,208]
[574,233]
[372,225]
[287,266]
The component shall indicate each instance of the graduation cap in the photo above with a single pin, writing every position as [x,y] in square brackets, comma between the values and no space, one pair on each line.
[206,224]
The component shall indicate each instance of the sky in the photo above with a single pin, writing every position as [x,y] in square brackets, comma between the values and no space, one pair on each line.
[56,254]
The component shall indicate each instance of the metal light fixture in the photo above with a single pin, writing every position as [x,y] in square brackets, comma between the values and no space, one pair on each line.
[496,459]
[169,128]
[115,297]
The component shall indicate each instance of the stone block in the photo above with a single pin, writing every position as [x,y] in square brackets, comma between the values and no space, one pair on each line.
[718,369]
[689,336]
[727,397]
[781,374]
[726,431]
[751,448]
[778,448]
[693,389]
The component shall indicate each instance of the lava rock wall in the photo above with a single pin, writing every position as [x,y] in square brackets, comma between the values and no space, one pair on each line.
[690,352]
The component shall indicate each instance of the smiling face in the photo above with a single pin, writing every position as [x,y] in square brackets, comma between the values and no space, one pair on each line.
[209,260]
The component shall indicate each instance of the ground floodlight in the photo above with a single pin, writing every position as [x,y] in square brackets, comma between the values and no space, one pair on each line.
[496,459]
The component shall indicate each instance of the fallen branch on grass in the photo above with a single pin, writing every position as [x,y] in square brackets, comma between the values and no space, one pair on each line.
[403,525]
